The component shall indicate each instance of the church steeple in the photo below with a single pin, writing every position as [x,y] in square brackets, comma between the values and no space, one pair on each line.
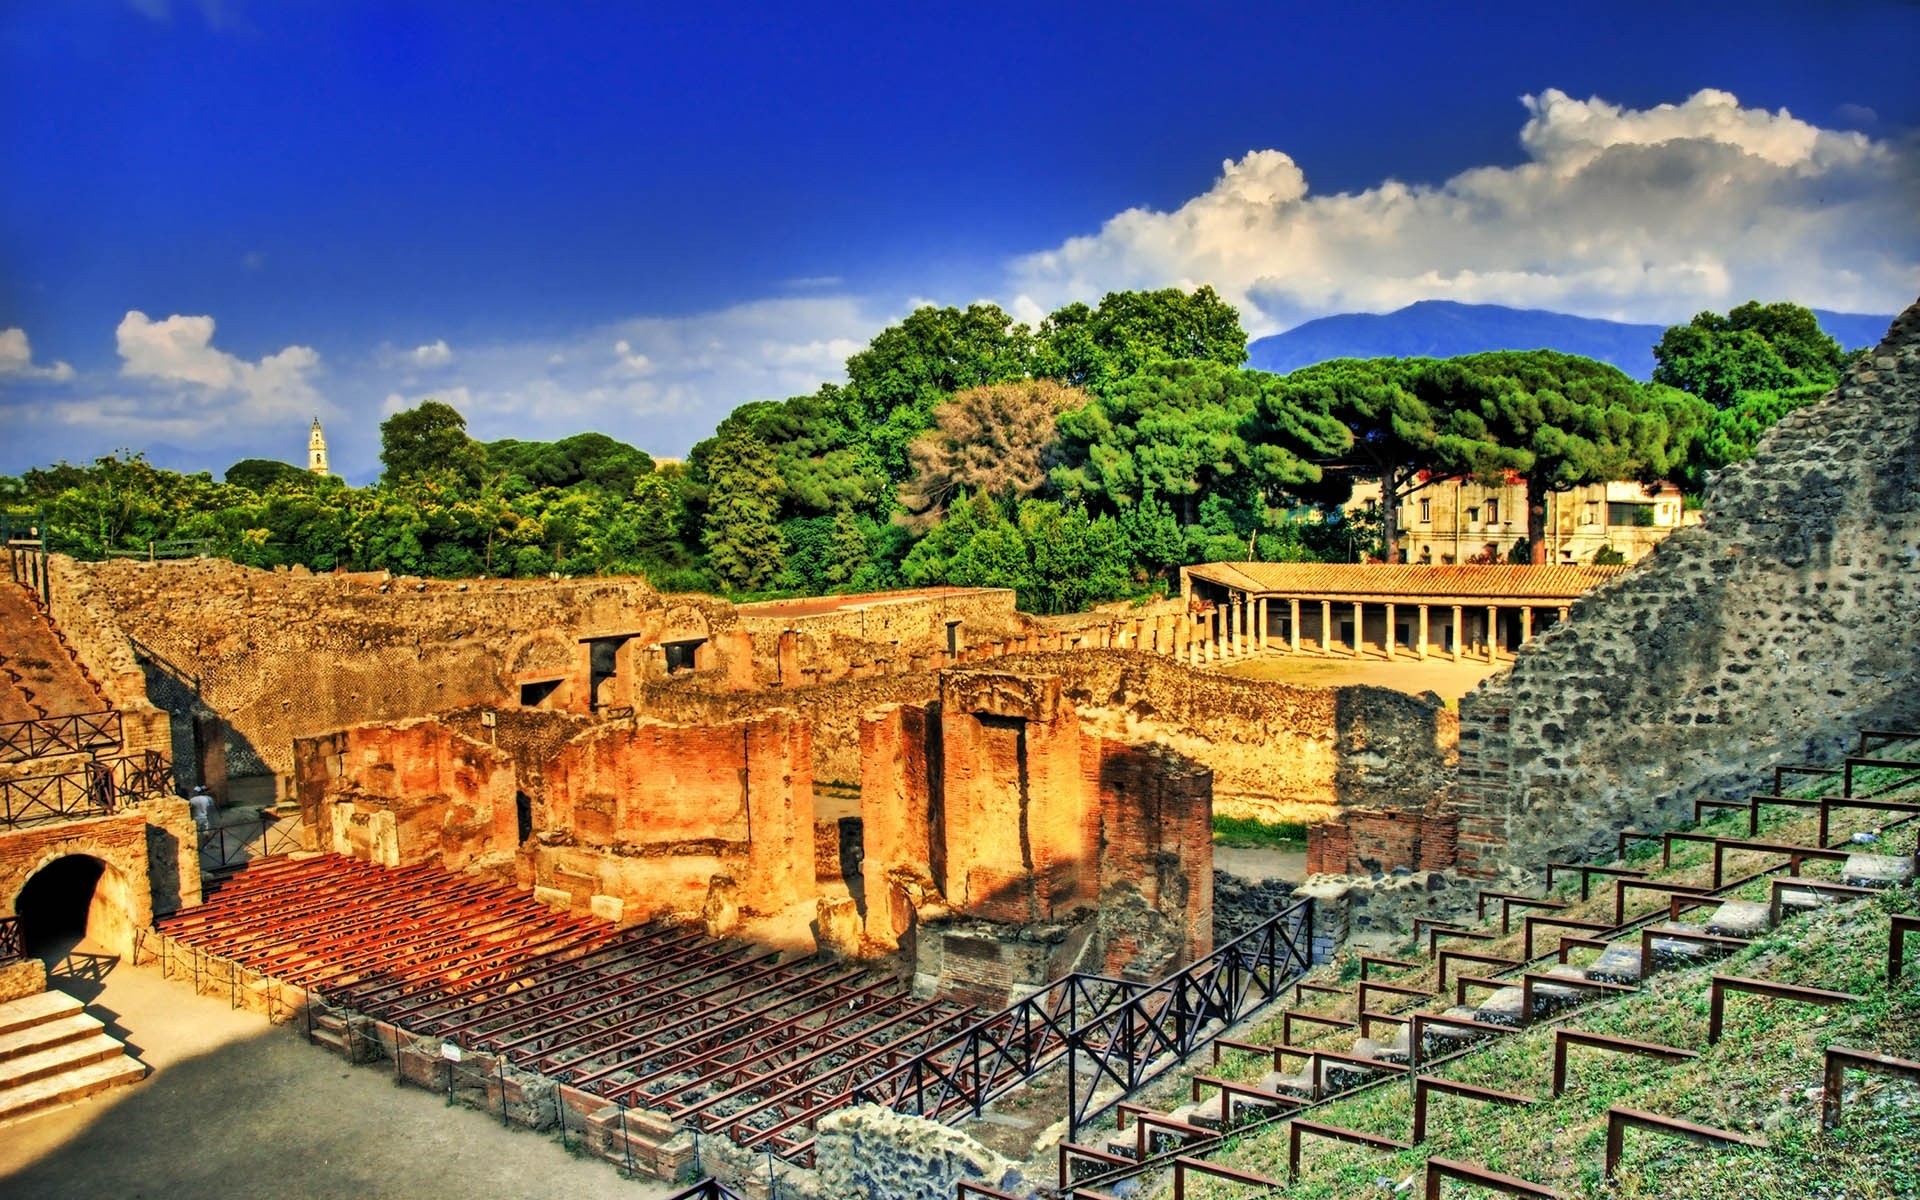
[317,450]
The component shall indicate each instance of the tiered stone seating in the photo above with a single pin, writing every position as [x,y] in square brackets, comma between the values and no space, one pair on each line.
[1330,1052]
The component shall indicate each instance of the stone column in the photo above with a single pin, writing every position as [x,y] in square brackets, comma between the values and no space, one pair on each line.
[1391,636]
[1566,614]
[1260,623]
[1293,630]
[1422,652]
[1493,631]
[1359,627]
[1526,624]
[1326,627]
[1459,630]
[1233,625]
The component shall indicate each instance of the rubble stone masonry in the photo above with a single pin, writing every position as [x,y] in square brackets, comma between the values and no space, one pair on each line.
[1767,634]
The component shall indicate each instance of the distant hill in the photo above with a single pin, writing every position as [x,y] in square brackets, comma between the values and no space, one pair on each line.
[1443,328]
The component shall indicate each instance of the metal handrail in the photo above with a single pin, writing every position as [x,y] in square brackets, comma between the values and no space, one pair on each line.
[101,787]
[75,733]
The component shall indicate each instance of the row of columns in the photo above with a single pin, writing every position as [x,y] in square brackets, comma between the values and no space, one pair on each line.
[1243,626]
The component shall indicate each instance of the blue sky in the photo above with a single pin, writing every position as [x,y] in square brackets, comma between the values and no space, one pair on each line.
[220,218]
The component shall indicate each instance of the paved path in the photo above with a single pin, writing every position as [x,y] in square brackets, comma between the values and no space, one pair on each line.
[1261,863]
[236,1107]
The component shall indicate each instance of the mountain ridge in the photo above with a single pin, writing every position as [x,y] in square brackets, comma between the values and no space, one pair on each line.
[1445,328]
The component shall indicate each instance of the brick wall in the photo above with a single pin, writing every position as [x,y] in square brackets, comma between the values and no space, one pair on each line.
[1366,842]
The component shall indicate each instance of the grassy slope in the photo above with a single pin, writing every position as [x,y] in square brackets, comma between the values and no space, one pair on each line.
[1764,1076]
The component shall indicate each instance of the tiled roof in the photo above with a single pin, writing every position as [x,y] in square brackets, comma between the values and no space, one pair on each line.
[1381,580]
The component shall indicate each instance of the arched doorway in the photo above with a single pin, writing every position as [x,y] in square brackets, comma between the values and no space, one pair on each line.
[76,899]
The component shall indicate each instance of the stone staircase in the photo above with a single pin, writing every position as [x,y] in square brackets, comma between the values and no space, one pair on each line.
[52,1053]
[40,676]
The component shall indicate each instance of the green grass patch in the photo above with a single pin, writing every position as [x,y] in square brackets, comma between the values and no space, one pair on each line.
[1249,834]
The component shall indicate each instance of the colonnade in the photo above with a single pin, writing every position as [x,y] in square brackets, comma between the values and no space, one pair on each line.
[1246,625]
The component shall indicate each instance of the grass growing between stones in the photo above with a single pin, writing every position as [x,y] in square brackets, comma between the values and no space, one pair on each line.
[1250,834]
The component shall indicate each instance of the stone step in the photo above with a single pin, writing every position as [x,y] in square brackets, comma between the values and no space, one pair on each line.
[1501,1008]
[47,1034]
[337,1042]
[1877,870]
[1794,901]
[331,1022]
[68,1086]
[1739,919]
[33,1010]
[54,1060]
[1393,1050]
[1618,963]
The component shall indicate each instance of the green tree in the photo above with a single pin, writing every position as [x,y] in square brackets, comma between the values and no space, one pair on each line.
[742,533]
[263,474]
[1096,348]
[591,460]
[430,442]
[1754,347]
[909,368]
[1557,421]
[1395,429]
[1181,430]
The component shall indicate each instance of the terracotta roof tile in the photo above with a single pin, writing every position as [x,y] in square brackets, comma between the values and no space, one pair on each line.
[1550,582]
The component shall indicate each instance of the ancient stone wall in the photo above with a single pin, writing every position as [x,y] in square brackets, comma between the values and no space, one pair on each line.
[1366,841]
[628,819]
[1269,743]
[285,654]
[123,898]
[1767,634]
[408,792]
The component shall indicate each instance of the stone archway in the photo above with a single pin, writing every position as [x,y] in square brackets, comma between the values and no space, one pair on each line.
[78,896]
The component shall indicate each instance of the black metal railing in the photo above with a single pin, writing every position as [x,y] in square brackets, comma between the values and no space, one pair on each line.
[100,787]
[235,843]
[1126,1032]
[707,1189]
[11,947]
[41,737]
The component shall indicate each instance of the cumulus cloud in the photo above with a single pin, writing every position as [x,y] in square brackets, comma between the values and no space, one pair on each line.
[1643,214]
[434,354]
[180,351]
[16,359]
[661,383]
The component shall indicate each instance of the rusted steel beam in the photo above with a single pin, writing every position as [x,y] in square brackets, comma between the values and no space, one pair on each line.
[1840,1060]
[1565,1038]
[1299,1128]
[1426,1085]
[1619,1120]
[1722,984]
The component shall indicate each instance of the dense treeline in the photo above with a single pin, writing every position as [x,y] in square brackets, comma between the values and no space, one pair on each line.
[1077,462]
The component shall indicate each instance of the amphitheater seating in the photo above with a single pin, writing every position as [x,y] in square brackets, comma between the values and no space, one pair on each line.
[1590,947]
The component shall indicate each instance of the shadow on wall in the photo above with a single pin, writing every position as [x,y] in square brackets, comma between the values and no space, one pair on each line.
[205,747]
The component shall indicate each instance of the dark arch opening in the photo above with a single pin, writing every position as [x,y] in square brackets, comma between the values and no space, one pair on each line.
[54,905]
[523,816]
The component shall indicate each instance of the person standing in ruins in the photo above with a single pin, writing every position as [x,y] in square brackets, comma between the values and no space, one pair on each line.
[200,803]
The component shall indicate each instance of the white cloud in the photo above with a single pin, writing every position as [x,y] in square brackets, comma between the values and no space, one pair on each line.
[1645,214]
[434,354]
[661,383]
[16,359]
[180,350]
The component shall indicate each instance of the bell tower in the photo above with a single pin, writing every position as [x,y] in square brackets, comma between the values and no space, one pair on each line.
[317,450]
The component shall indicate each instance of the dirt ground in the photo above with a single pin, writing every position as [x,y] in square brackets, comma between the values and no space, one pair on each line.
[236,1107]
[1451,680]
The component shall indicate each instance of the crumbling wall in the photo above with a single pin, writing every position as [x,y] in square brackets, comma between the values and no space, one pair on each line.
[286,654]
[1767,634]
[1370,841]
[408,792]
[995,805]
[1272,744]
[649,814]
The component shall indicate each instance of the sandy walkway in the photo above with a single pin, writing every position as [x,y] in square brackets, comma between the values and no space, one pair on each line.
[1450,680]
[235,1107]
